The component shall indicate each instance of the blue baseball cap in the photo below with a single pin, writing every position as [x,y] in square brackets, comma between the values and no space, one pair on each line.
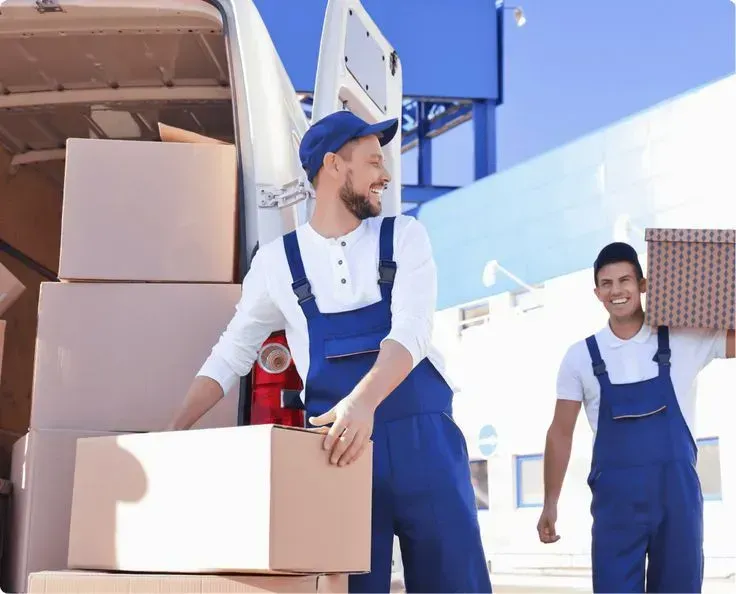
[332,132]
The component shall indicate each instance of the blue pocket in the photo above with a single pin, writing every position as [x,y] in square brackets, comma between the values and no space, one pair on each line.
[359,344]
[637,408]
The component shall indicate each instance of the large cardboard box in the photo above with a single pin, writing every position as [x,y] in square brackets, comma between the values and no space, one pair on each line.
[3,325]
[42,474]
[149,211]
[88,582]
[691,278]
[10,289]
[256,499]
[121,356]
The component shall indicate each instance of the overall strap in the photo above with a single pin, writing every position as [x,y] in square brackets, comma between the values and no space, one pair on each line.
[300,285]
[663,354]
[386,264]
[599,366]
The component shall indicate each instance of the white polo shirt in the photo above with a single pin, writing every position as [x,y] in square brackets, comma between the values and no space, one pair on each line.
[629,361]
[343,273]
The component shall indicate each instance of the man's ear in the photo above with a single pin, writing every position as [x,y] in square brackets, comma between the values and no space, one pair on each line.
[331,165]
[643,285]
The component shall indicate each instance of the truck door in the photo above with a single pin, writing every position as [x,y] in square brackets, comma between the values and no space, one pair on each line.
[359,70]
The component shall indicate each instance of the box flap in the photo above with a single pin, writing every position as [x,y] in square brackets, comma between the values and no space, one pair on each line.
[173,134]
[691,235]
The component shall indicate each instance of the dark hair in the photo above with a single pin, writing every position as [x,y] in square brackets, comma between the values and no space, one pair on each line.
[617,252]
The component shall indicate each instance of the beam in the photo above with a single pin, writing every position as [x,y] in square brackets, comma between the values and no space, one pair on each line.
[108,95]
[423,194]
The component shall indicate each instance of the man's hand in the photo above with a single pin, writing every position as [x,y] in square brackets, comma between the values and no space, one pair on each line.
[352,426]
[546,525]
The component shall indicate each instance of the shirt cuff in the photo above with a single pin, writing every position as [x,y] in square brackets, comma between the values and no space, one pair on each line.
[216,369]
[408,341]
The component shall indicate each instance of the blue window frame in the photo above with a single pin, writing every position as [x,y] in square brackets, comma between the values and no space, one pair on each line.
[709,468]
[529,480]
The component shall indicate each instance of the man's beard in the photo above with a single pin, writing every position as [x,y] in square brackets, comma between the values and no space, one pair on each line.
[358,204]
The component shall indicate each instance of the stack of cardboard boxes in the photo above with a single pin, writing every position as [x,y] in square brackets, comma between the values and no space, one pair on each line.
[147,267]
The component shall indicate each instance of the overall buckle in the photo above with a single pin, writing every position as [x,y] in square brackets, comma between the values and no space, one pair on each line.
[303,290]
[663,357]
[386,272]
[599,368]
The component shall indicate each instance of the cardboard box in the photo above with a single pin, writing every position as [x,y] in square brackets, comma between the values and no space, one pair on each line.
[87,582]
[691,278]
[42,473]
[149,211]
[10,289]
[121,356]
[256,499]
[3,325]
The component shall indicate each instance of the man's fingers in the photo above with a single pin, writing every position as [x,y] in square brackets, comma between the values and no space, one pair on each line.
[355,450]
[332,435]
[323,419]
[341,445]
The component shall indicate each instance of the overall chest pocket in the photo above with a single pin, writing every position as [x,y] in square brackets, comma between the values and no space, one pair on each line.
[354,345]
[638,406]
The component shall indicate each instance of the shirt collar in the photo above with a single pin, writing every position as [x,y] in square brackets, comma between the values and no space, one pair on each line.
[348,239]
[615,342]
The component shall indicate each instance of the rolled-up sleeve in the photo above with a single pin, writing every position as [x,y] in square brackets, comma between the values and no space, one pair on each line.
[256,317]
[414,295]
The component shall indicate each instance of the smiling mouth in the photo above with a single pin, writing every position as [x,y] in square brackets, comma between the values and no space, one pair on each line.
[377,191]
[619,301]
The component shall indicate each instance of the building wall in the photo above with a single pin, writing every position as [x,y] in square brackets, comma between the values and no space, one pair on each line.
[506,370]
[671,165]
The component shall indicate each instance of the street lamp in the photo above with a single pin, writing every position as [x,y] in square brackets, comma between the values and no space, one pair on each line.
[519,15]
[489,276]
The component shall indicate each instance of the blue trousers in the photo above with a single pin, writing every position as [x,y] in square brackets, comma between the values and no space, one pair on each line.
[422,492]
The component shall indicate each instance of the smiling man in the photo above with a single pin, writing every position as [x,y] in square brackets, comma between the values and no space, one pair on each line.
[637,386]
[356,292]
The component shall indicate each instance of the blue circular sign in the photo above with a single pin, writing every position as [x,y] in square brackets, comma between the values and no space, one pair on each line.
[487,440]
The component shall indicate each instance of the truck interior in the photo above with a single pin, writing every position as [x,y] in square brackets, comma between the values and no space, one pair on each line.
[112,72]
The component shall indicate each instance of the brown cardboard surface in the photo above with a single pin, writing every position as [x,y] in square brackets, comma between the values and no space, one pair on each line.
[121,356]
[691,278]
[3,325]
[256,499]
[43,476]
[88,582]
[10,289]
[149,211]
[20,345]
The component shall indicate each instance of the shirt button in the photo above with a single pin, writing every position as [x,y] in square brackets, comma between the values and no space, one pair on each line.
[339,262]
[343,244]
[343,281]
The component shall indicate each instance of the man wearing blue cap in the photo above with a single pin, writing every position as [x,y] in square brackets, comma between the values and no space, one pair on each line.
[356,293]
[636,383]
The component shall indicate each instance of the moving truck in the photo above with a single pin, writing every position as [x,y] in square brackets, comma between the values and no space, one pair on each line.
[149,72]
[116,69]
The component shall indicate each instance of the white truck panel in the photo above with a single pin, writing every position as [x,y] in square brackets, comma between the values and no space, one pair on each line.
[359,70]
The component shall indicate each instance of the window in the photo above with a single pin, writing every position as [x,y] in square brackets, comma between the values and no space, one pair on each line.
[529,481]
[475,314]
[479,478]
[709,468]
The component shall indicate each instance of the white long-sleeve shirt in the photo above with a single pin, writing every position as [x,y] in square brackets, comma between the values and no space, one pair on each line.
[343,274]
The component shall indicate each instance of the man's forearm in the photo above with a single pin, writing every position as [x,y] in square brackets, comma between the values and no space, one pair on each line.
[556,458]
[203,394]
[393,364]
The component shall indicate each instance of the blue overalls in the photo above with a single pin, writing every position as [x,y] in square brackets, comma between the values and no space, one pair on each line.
[422,488]
[647,498]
